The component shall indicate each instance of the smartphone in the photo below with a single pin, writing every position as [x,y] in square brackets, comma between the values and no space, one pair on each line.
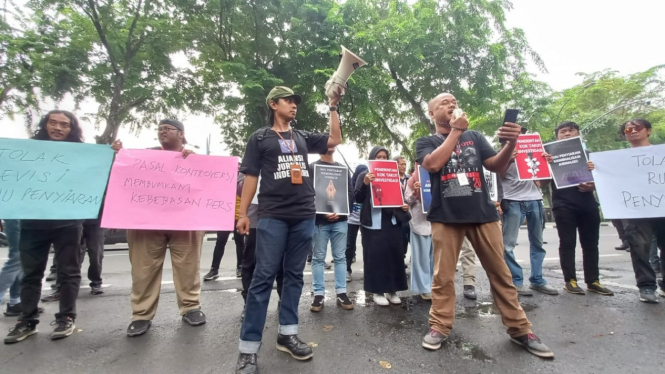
[511,116]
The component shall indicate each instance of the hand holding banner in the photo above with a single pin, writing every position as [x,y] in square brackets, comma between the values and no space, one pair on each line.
[159,190]
[425,188]
[331,184]
[569,168]
[386,189]
[48,180]
[531,165]
[631,182]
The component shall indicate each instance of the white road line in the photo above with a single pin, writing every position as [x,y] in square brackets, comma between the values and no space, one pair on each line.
[579,258]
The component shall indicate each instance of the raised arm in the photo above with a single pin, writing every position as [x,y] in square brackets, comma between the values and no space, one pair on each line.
[335,138]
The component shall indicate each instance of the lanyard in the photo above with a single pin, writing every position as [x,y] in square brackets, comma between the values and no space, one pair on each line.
[290,146]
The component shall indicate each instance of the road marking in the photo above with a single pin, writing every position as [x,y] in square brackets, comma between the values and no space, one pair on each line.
[580,258]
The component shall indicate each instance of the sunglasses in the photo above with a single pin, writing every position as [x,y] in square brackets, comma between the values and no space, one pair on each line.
[636,128]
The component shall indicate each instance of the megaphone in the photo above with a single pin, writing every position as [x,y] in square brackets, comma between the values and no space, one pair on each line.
[336,85]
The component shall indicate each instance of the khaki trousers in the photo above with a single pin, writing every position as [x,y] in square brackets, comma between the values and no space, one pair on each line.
[147,250]
[487,240]
[468,260]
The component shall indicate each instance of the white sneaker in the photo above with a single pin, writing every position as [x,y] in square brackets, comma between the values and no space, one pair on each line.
[381,300]
[426,296]
[394,299]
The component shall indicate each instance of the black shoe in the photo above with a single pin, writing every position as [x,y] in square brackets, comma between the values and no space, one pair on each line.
[294,346]
[52,297]
[63,328]
[317,304]
[624,246]
[212,275]
[247,364]
[96,290]
[52,276]
[242,316]
[194,317]
[470,292]
[573,288]
[238,273]
[16,309]
[533,345]
[19,332]
[344,301]
[138,327]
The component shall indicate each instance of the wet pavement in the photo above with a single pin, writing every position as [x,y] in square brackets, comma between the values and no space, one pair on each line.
[589,334]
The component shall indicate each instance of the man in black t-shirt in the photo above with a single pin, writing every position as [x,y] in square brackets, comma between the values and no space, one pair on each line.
[284,233]
[461,207]
[576,209]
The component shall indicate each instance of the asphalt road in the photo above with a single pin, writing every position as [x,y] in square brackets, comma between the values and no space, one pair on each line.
[589,334]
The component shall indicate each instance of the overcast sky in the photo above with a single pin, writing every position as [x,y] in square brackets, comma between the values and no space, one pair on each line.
[571,36]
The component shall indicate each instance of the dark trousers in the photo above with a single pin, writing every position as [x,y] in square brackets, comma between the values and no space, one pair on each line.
[34,246]
[92,241]
[406,236]
[351,238]
[281,246]
[220,245]
[249,264]
[568,223]
[639,234]
[618,224]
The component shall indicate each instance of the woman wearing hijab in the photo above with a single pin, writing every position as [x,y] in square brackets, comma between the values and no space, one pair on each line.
[422,265]
[381,239]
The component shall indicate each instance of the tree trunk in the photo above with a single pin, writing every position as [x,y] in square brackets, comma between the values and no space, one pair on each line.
[424,119]
[114,119]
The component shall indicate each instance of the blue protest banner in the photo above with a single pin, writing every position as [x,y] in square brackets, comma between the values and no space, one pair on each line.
[425,189]
[42,179]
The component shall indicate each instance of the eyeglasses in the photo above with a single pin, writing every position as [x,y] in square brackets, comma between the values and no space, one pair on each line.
[636,128]
[64,125]
[166,129]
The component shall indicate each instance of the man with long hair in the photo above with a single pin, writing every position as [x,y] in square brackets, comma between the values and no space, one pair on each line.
[36,238]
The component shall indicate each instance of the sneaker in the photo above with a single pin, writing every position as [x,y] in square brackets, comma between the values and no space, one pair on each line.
[426,296]
[344,301]
[16,310]
[524,290]
[573,288]
[354,260]
[247,364]
[661,288]
[194,317]
[393,298]
[470,292]
[544,288]
[238,273]
[294,346]
[533,345]
[212,275]
[648,296]
[63,328]
[661,292]
[327,266]
[599,289]
[381,300]
[52,276]
[624,245]
[20,331]
[52,297]
[348,276]
[96,290]
[317,304]
[138,327]
[433,340]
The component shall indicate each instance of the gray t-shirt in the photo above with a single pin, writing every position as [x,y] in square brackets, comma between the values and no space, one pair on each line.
[515,189]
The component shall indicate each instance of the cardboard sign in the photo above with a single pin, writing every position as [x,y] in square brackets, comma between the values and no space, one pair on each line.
[425,189]
[531,165]
[631,182]
[159,190]
[49,180]
[569,168]
[492,187]
[386,188]
[331,185]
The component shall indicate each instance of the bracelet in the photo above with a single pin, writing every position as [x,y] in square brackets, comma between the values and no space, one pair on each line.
[458,128]
[239,217]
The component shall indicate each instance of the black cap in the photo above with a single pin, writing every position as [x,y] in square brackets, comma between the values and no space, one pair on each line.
[175,123]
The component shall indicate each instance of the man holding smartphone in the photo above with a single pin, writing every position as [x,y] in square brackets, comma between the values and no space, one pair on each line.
[461,207]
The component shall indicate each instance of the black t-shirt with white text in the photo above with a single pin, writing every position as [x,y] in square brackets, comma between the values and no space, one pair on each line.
[452,201]
[269,157]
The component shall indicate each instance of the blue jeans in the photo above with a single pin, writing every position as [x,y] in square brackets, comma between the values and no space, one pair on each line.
[11,273]
[422,263]
[512,219]
[336,234]
[278,243]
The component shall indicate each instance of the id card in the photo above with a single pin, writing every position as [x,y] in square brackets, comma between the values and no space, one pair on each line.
[296,174]
[462,179]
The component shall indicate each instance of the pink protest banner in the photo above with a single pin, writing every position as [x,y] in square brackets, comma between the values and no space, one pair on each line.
[159,190]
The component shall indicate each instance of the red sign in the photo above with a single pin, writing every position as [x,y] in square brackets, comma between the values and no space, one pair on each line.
[531,165]
[386,190]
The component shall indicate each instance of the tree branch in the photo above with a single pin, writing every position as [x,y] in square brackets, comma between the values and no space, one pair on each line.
[393,135]
[94,16]
[414,104]
[128,44]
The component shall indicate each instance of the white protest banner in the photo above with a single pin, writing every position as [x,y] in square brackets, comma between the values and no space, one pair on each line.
[631,182]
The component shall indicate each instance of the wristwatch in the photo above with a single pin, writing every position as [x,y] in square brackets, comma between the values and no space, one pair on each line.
[334,108]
